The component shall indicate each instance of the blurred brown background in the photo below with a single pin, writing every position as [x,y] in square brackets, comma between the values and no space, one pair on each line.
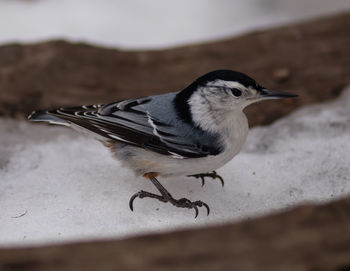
[310,59]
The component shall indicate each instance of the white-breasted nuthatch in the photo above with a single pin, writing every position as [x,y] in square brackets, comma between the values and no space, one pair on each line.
[185,133]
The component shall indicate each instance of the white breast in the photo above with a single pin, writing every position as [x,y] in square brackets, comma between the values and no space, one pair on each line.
[234,130]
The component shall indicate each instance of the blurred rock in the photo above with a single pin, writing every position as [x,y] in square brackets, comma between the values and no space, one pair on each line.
[281,75]
[57,73]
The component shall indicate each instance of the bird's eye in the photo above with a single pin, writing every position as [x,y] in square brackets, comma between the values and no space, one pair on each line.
[236,92]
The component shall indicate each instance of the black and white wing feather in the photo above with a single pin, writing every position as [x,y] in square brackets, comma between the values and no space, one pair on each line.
[131,122]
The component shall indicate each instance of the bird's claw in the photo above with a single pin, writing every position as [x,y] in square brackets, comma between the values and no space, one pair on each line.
[131,201]
[203,180]
[186,203]
[144,194]
[220,178]
[182,203]
[200,203]
[212,175]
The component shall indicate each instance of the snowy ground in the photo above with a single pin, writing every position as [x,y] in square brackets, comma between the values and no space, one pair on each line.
[153,23]
[57,185]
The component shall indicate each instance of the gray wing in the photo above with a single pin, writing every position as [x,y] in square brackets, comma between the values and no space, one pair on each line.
[134,122]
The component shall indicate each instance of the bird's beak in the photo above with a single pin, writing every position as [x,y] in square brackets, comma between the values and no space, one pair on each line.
[271,94]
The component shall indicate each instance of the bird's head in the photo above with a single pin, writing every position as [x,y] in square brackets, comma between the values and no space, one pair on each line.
[223,90]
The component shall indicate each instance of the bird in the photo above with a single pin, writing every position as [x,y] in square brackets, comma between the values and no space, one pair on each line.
[191,132]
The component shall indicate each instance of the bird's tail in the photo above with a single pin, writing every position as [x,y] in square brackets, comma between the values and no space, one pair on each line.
[45,116]
[80,118]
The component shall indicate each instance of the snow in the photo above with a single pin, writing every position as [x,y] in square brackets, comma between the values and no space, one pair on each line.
[153,23]
[57,185]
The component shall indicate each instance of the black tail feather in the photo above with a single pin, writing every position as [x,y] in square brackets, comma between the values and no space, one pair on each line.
[45,116]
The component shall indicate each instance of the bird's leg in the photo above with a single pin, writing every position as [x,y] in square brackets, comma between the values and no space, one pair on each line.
[212,175]
[167,197]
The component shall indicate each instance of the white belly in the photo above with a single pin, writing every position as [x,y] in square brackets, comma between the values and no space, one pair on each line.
[143,161]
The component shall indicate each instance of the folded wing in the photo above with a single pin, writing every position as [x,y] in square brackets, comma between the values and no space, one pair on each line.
[130,122]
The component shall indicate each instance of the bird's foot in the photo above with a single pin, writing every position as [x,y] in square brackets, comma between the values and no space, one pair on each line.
[166,197]
[212,175]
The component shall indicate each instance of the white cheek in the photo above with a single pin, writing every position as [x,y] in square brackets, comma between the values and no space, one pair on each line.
[200,108]
[210,111]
